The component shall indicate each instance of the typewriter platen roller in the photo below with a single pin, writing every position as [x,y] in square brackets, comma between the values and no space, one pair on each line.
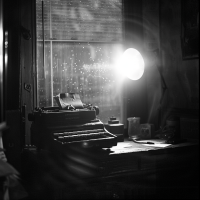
[56,126]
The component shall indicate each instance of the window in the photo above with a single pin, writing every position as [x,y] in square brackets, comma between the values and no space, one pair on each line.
[77,45]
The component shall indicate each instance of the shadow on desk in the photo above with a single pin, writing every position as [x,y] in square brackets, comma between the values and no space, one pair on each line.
[140,173]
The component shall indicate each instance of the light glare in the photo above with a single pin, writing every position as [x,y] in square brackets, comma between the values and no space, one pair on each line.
[131,64]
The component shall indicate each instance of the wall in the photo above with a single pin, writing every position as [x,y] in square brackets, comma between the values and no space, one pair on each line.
[162,31]
[12,136]
[12,68]
[28,61]
[135,91]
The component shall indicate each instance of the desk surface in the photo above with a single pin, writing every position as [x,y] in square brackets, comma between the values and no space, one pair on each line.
[130,146]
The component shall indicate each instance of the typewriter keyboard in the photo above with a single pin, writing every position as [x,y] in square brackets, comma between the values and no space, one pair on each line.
[81,135]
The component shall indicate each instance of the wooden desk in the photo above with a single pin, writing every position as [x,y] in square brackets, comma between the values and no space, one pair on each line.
[140,172]
[152,172]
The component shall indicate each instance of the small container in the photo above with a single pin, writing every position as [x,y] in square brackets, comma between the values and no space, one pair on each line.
[174,125]
[133,127]
[116,128]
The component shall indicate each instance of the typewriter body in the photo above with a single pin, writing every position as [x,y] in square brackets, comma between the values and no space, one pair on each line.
[73,125]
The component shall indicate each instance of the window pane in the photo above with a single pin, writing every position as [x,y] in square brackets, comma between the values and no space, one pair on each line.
[87,20]
[44,75]
[87,69]
[78,55]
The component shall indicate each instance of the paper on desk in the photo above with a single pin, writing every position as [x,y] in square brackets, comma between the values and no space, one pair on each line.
[155,141]
[121,145]
[157,145]
[126,147]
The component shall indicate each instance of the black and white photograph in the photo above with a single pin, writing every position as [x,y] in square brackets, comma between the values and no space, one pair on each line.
[99,99]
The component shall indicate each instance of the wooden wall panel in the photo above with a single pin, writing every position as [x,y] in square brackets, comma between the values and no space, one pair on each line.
[27,61]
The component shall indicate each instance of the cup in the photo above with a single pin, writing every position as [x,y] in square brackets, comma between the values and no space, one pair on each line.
[133,127]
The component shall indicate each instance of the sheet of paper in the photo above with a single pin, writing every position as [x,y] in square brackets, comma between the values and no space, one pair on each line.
[155,141]
[130,146]
[157,145]
[127,150]
[126,147]
[121,145]
[68,99]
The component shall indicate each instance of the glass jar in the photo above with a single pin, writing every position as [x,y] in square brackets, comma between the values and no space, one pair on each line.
[133,127]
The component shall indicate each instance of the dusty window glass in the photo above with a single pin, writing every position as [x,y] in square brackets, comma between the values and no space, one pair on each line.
[77,44]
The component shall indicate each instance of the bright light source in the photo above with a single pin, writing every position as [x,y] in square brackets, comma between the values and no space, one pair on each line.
[131,64]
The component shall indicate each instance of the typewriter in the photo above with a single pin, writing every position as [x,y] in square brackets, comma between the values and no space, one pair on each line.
[70,123]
